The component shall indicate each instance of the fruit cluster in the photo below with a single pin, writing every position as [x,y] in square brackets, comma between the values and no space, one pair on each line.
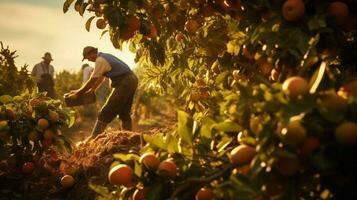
[30,124]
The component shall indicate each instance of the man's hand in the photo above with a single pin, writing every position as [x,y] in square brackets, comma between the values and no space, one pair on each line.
[72,94]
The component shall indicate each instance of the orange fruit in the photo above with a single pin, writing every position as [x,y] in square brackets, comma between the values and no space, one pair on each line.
[126,35]
[179,37]
[264,66]
[293,10]
[246,53]
[195,96]
[139,194]
[47,143]
[347,89]
[346,133]
[168,168]
[207,10]
[309,146]
[153,31]
[294,134]
[233,5]
[121,175]
[43,123]
[36,102]
[53,116]
[191,26]
[339,11]
[149,160]
[101,23]
[204,194]
[255,124]
[204,95]
[244,170]
[242,154]
[200,82]
[33,136]
[295,86]
[133,23]
[48,134]
[287,165]
[332,106]
[67,181]
[28,167]
[10,114]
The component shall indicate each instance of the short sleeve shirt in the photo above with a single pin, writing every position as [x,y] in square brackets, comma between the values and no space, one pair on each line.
[101,67]
[40,69]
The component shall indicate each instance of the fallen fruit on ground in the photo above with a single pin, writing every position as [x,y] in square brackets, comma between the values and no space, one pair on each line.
[67,181]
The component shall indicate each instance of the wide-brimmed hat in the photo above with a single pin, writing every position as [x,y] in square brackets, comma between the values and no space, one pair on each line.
[47,56]
[87,50]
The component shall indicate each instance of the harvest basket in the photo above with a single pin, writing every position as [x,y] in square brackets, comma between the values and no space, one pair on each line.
[86,98]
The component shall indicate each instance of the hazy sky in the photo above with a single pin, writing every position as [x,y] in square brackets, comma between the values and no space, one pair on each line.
[33,27]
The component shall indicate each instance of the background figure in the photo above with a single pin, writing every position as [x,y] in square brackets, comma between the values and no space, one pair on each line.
[87,71]
[44,75]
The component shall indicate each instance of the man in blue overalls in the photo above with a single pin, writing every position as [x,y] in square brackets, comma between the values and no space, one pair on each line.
[123,81]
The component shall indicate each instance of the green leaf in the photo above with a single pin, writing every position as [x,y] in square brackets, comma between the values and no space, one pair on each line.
[5,99]
[206,129]
[126,157]
[227,126]
[101,190]
[225,141]
[184,129]
[89,21]
[83,8]
[66,5]
[155,140]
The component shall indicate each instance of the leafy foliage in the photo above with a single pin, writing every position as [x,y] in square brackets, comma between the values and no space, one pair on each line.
[228,64]
[9,72]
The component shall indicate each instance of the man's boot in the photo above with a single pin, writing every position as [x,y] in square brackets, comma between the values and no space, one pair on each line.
[126,124]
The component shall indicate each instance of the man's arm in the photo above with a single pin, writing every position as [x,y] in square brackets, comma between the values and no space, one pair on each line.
[98,83]
[90,84]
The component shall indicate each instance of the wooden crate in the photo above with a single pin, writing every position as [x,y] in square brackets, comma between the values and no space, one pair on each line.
[86,98]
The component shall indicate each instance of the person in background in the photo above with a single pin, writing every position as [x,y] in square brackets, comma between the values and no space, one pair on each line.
[43,73]
[87,71]
[123,81]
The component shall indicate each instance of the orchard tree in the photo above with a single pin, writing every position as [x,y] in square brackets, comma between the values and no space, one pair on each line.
[268,86]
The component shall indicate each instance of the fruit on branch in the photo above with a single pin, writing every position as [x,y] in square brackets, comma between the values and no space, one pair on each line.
[204,194]
[295,86]
[293,10]
[346,133]
[168,168]
[242,154]
[339,11]
[149,160]
[121,175]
